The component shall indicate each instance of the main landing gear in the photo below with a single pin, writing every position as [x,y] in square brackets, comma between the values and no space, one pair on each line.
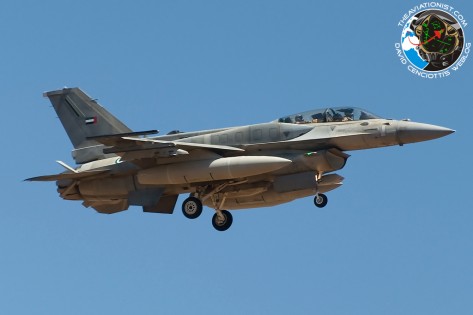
[192,209]
[222,220]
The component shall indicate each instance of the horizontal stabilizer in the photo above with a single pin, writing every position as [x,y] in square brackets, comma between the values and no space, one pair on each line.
[47,178]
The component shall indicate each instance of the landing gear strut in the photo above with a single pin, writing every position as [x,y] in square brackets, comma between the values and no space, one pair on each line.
[320,200]
[192,206]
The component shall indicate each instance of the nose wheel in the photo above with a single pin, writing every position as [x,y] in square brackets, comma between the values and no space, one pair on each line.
[320,200]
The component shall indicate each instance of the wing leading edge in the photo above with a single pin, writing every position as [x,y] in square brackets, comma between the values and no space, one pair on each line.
[134,148]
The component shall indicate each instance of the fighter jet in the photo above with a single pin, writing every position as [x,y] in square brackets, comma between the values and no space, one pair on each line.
[244,167]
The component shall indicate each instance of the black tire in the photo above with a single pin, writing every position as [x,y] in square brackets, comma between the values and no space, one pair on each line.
[321,201]
[222,225]
[192,208]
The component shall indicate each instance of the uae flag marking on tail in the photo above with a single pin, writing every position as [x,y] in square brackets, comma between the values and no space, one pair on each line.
[91,120]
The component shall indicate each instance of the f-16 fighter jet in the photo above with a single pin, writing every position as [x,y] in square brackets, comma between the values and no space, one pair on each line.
[244,167]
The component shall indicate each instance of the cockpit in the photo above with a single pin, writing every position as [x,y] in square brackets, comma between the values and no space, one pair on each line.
[333,114]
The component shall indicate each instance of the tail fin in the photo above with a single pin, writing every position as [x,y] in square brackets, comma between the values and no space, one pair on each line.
[82,117]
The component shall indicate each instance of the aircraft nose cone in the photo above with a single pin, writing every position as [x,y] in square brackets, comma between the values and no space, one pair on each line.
[410,132]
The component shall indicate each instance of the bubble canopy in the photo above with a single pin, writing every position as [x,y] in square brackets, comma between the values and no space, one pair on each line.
[331,114]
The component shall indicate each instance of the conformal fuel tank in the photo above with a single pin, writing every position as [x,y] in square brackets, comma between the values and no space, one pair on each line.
[208,170]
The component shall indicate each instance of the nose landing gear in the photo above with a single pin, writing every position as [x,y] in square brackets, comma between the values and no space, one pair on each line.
[320,200]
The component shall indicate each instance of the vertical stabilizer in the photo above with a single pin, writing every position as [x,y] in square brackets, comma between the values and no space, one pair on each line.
[83,117]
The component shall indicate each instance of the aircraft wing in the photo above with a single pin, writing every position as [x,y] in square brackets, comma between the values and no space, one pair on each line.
[133,148]
[185,145]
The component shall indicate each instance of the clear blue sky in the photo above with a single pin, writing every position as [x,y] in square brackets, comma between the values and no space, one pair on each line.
[395,239]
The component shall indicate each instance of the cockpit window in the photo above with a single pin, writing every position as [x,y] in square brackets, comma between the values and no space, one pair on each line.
[334,114]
